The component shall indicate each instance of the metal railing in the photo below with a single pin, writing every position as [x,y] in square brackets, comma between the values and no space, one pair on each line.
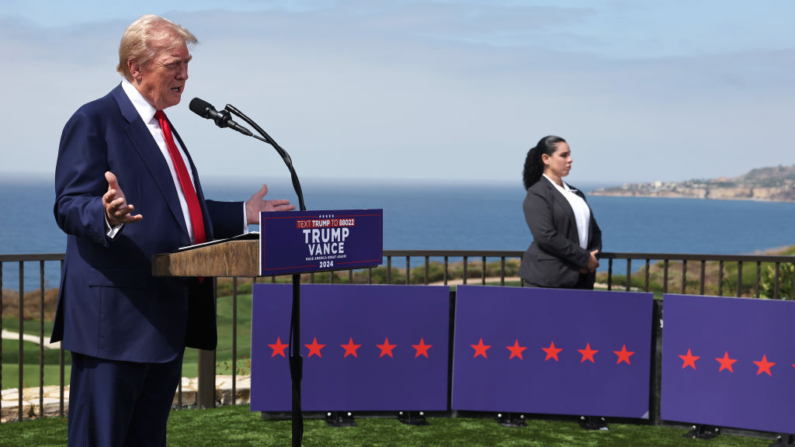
[40,260]
[474,270]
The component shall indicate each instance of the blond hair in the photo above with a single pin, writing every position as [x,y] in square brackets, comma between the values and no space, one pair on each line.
[144,37]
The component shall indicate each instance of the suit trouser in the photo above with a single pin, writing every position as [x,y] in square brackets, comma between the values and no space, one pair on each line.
[582,283]
[114,403]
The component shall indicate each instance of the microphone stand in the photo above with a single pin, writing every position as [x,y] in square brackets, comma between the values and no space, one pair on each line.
[285,156]
[296,361]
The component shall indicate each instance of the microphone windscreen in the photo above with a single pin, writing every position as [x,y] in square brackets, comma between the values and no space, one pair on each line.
[201,107]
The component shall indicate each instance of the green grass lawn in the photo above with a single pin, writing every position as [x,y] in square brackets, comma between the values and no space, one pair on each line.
[233,426]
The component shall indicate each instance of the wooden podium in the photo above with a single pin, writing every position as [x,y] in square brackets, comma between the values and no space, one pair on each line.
[229,258]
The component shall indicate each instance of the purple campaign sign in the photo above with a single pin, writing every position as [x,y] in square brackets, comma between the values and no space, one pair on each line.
[729,362]
[311,241]
[552,351]
[365,347]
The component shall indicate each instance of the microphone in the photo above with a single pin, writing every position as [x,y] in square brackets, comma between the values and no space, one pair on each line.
[222,119]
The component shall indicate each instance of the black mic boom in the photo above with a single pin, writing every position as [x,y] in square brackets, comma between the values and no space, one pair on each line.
[222,119]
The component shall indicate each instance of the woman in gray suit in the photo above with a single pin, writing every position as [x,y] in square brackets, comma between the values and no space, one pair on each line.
[566,238]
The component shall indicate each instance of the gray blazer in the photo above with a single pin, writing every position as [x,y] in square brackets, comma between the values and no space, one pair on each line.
[555,257]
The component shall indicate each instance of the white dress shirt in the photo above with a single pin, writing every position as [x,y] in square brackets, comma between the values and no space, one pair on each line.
[582,213]
[147,113]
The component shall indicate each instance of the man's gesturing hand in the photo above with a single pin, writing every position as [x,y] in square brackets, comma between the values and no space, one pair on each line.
[117,210]
[256,204]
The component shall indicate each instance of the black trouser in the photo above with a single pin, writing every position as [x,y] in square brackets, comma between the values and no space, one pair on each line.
[582,283]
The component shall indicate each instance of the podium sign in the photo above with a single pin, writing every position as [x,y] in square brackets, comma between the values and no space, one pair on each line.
[313,241]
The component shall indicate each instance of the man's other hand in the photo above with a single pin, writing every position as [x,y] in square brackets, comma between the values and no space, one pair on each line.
[117,210]
[256,204]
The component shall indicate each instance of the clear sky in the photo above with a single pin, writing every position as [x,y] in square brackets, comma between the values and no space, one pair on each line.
[445,90]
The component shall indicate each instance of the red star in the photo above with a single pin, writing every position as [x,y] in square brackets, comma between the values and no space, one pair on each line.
[314,348]
[764,366]
[689,359]
[480,349]
[587,353]
[516,350]
[350,348]
[278,348]
[552,352]
[386,348]
[422,348]
[726,362]
[623,355]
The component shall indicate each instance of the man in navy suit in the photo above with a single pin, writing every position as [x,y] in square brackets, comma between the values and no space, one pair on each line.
[126,189]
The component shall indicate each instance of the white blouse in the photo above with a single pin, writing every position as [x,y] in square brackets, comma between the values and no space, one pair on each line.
[582,213]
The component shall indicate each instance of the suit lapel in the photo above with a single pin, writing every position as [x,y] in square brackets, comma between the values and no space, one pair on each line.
[564,203]
[150,154]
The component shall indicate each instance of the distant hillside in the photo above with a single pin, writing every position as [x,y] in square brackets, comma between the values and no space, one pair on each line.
[775,184]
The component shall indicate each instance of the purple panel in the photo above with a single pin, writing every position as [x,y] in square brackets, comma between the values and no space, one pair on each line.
[533,319]
[369,315]
[309,241]
[739,370]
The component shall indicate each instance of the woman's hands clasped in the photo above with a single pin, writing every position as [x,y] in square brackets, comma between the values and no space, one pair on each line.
[593,263]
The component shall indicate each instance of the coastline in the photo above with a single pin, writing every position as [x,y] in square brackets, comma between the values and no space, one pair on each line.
[769,184]
[650,196]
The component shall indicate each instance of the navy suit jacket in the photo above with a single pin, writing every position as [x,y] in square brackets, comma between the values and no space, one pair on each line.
[110,306]
[555,257]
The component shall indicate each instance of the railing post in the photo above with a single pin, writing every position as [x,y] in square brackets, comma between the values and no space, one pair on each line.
[465,269]
[445,270]
[629,274]
[205,394]
[610,274]
[647,275]
[684,276]
[483,281]
[21,332]
[703,274]
[41,340]
[776,284]
[739,279]
[502,270]
[408,270]
[60,367]
[234,341]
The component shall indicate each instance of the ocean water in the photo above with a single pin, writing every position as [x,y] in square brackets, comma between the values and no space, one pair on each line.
[443,216]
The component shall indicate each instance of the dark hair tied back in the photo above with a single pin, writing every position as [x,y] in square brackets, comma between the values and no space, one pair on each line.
[533,166]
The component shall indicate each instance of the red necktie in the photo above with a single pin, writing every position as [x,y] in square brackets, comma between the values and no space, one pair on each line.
[194,209]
